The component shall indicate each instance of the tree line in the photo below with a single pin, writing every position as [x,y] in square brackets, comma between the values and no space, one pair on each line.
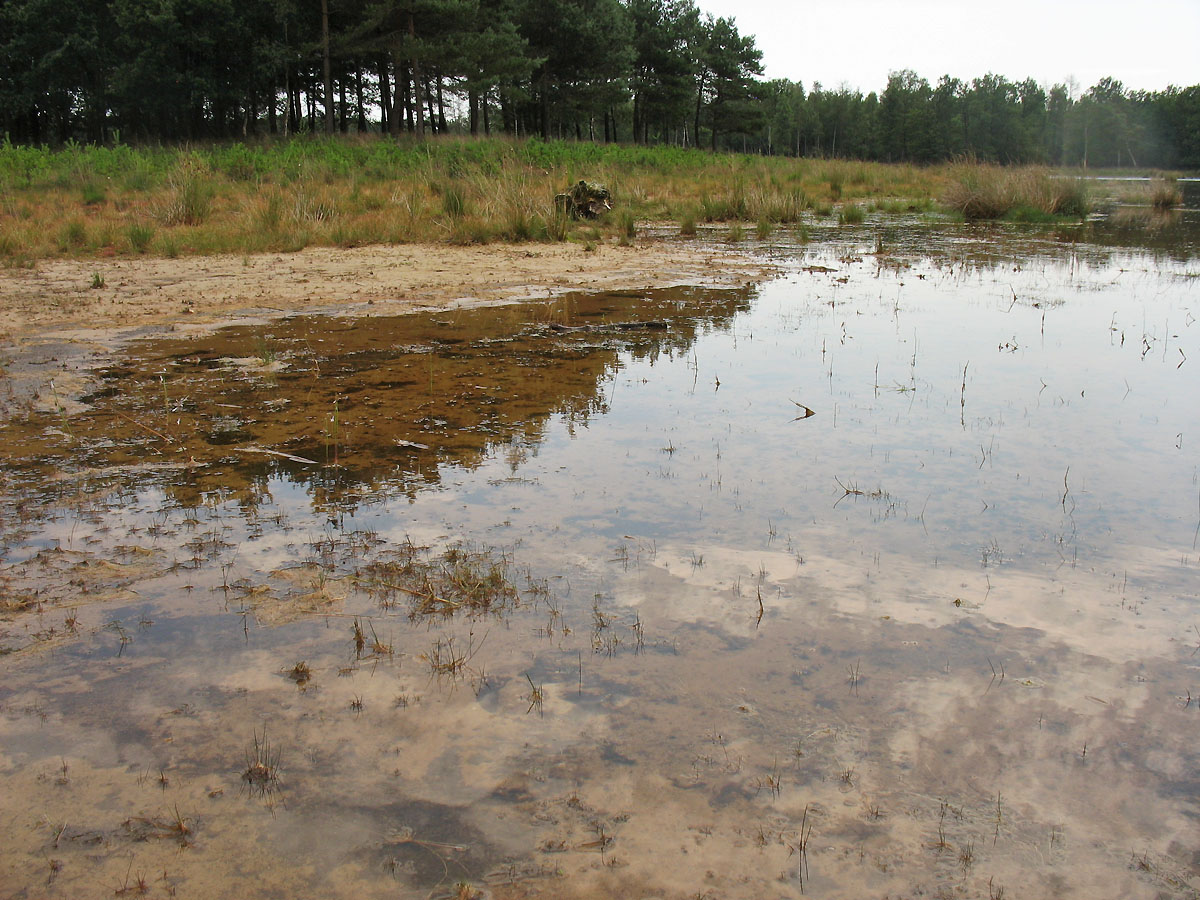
[642,71]
[989,118]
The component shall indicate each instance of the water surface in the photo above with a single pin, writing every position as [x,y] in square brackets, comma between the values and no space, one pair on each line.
[878,579]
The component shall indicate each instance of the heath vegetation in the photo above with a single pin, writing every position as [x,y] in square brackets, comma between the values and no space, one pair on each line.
[279,196]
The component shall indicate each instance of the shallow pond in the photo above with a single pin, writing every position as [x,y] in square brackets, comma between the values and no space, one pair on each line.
[877,579]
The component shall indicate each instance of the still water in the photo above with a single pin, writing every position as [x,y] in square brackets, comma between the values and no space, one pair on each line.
[875,579]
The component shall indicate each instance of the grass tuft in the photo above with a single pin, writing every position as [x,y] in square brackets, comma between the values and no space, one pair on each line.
[139,235]
[189,199]
[851,214]
[1165,196]
[93,194]
[1026,193]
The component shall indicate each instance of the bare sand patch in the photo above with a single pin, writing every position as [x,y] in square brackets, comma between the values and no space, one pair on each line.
[59,294]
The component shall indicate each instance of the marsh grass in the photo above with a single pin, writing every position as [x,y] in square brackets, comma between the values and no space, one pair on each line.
[1160,194]
[261,776]
[851,214]
[980,191]
[784,207]
[288,194]
[1165,195]
[1132,221]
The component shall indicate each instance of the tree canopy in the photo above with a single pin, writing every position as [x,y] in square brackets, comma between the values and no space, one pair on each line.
[646,71]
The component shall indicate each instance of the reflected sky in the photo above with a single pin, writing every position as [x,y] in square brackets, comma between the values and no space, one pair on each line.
[901,543]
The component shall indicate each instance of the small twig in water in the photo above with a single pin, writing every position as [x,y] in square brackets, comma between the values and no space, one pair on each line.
[807,411]
[1001,676]
[536,697]
[853,489]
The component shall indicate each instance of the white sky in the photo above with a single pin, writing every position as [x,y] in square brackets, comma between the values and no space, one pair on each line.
[1146,45]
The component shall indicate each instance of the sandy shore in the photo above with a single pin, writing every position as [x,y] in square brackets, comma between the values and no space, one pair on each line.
[58,295]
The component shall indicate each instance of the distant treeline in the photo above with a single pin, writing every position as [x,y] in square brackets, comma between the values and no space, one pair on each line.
[636,71]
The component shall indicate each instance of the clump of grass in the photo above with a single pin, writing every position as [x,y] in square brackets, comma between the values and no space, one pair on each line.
[763,229]
[978,191]
[1165,196]
[454,200]
[471,230]
[519,226]
[268,212]
[190,198]
[687,224]
[461,579]
[263,350]
[894,207]
[557,226]
[851,214]
[732,205]
[589,234]
[93,193]
[626,225]
[781,206]
[262,772]
[317,206]
[736,233]
[139,235]
[73,235]
[1069,197]
[1031,215]
[536,697]
[299,673]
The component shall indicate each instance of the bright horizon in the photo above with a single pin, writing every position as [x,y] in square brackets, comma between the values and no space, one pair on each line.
[857,43]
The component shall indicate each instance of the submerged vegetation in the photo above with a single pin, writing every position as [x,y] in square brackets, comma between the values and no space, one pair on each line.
[278,196]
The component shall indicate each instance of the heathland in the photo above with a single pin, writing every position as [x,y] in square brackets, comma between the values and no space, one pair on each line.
[286,195]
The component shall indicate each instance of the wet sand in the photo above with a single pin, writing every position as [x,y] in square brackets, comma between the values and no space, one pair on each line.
[379,280]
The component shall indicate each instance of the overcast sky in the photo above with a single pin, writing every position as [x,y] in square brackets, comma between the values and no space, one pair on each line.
[1147,45]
